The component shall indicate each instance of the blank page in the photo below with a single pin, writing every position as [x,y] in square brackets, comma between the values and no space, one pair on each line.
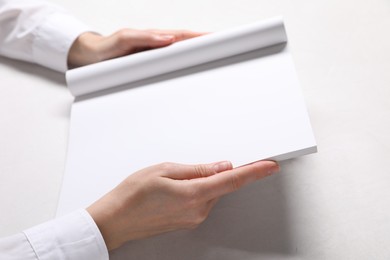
[242,108]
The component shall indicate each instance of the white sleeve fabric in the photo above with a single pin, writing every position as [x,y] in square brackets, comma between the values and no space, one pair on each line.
[72,237]
[38,32]
[16,247]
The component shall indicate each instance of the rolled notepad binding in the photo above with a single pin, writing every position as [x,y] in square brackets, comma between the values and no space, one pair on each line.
[112,73]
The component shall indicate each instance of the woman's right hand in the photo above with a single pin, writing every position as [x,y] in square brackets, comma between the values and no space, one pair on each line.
[168,197]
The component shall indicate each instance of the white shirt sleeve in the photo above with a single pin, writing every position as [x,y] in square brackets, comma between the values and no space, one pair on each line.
[38,32]
[72,237]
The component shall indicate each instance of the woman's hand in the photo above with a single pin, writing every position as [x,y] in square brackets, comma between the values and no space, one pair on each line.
[169,197]
[90,48]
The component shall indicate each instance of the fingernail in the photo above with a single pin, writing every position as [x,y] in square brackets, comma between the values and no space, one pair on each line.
[222,166]
[165,37]
[274,169]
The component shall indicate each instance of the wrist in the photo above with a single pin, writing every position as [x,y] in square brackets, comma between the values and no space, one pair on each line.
[85,50]
[106,212]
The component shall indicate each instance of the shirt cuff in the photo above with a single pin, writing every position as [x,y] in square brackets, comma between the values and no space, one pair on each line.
[53,39]
[74,236]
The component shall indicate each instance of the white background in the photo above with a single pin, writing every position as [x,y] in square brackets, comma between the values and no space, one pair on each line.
[331,205]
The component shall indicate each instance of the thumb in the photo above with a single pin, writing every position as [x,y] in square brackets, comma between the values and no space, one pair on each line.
[187,172]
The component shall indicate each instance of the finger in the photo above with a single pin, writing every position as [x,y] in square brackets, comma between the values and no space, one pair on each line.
[144,39]
[128,41]
[187,172]
[180,35]
[230,181]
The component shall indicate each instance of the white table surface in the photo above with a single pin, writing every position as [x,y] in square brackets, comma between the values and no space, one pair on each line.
[331,205]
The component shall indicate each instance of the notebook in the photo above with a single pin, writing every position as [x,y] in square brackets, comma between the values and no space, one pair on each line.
[230,95]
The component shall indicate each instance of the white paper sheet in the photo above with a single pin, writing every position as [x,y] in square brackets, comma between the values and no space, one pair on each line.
[200,50]
[242,108]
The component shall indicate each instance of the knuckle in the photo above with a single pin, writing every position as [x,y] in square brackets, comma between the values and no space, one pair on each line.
[123,38]
[191,226]
[195,221]
[123,34]
[195,216]
[194,195]
[166,166]
[201,171]
[200,217]
[192,198]
[235,182]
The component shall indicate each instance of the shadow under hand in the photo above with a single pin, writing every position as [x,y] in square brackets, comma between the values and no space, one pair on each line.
[252,223]
[35,69]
